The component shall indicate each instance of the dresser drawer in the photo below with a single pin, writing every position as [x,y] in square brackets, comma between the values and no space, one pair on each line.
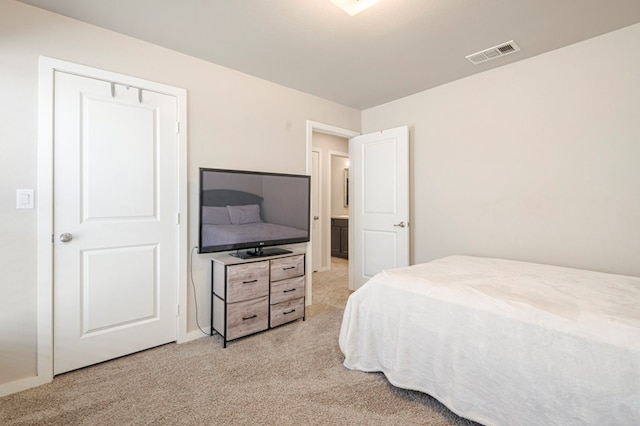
[287,311]
[284,290]
[287,267]
[248,317]
[247,281]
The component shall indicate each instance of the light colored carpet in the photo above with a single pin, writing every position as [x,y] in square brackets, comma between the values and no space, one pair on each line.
[291,375]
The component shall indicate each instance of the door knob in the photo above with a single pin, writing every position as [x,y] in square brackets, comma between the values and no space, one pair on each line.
[316,217]
[66,237]
[401,224]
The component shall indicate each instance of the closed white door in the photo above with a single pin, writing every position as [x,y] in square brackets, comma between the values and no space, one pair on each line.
[379,181]
[115,220]
[316,225]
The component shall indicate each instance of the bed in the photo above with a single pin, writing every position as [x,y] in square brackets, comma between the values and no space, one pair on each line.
[230,217]
[503,342]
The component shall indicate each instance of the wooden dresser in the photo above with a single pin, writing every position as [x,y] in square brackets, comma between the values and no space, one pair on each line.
[253,295]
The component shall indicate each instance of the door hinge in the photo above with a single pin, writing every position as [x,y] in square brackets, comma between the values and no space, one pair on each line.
[177,127]
[177,218]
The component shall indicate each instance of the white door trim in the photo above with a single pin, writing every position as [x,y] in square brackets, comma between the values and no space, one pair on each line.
[44,196]
[314,126]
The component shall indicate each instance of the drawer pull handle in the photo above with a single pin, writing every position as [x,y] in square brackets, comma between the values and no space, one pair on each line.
[289,312]
[287,291]
[248,318]
[289,267]
[249,282]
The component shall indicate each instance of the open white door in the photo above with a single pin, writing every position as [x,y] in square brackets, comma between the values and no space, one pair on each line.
[379,188]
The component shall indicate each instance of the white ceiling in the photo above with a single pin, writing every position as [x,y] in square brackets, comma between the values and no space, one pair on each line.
[394,49]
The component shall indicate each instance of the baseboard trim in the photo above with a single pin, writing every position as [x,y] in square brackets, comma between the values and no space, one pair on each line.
[23,384]
[193,335]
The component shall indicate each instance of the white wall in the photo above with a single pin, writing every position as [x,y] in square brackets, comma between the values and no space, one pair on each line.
[538,160]
[232,124]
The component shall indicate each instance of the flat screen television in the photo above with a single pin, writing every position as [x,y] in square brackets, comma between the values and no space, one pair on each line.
[252,210]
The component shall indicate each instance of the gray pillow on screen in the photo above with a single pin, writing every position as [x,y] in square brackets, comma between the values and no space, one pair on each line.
[240,215]
[215,216]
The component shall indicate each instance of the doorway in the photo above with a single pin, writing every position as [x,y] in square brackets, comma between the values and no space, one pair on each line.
[325,142]
[332,156]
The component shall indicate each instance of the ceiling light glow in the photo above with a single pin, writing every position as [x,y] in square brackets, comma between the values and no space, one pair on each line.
[353,7]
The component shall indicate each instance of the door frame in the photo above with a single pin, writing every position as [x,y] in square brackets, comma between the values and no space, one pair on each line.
[47,68]
[314,126]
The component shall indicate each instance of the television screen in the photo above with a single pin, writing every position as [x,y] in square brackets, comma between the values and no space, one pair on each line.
[245,209]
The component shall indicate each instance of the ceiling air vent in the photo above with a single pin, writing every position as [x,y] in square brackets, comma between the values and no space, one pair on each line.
[493,52]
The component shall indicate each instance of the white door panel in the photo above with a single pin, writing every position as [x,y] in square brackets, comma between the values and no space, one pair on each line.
[107,127]
[380,251]
[380,212]
[379,181]
[316,206]
[115,281]
[133,283]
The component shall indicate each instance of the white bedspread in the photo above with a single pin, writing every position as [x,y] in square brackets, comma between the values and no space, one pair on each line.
[503,342]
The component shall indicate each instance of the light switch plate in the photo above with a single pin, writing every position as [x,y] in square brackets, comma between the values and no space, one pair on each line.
[24,198]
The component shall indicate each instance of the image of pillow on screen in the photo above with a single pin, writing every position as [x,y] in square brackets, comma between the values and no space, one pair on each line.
[215,216]
[244,214]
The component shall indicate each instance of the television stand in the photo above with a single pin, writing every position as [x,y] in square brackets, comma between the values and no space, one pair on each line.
[259,252]
[257,294]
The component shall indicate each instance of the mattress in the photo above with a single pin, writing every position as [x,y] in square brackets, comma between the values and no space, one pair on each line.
[503,342]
